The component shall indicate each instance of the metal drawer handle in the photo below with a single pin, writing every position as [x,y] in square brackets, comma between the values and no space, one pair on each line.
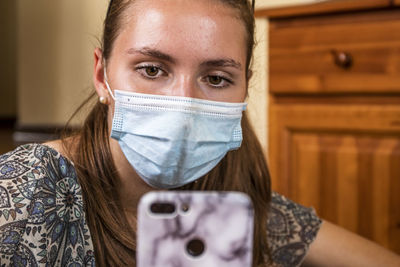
[342,59]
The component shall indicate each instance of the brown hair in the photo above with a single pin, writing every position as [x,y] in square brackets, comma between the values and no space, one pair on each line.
[242,170]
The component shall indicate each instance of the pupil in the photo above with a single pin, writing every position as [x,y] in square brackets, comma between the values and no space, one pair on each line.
[152,71]
[215,79]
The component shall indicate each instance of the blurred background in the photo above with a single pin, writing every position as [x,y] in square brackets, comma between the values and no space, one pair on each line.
[324,99]
[46,63]
[46,53]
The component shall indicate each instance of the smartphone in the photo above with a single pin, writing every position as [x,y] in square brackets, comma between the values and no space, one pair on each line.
[194,229]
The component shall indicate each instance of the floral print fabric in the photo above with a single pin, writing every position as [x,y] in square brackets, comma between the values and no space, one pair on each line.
[42,217]
[291,228]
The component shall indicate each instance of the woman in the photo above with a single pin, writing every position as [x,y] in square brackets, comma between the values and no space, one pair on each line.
[73,201]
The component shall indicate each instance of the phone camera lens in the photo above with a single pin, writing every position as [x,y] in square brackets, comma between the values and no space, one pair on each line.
[195,247]
[162,208]
[185,207]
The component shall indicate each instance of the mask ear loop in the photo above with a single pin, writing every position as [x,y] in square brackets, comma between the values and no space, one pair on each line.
[106,82]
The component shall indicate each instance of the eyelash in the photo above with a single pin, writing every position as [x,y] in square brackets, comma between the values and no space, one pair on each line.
[223,78]
[142,68]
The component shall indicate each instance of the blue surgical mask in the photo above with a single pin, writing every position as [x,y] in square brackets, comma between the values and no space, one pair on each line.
[171,141]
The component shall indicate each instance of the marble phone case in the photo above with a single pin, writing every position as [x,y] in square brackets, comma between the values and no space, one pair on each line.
[221,221]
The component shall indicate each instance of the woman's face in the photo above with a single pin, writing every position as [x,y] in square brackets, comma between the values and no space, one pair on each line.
[186,48]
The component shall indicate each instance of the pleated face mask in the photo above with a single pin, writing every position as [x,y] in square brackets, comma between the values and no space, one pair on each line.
[171,141]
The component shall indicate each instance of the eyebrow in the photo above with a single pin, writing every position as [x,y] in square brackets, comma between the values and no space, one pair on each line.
[223,63]
[147,51]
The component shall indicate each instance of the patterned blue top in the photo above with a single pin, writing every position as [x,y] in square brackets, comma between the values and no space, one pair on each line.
[42,218]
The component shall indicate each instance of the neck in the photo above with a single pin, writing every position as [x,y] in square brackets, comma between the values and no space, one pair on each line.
[132,187]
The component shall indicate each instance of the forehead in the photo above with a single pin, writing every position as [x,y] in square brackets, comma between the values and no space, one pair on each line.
[207,26]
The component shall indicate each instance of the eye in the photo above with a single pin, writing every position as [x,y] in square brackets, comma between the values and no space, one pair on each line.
[150,71]
[218,81]
[215,80]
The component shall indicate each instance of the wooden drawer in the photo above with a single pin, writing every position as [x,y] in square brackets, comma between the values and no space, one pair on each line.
[336,54]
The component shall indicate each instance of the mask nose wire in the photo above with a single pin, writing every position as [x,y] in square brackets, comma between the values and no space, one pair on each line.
[106,82]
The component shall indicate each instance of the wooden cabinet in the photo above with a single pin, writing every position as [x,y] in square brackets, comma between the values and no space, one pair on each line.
[334,113]
[357,53]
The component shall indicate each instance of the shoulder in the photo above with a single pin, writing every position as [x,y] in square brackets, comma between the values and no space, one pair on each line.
[291,228]
[40,206]
[20,171]
[24,158]
[30,163]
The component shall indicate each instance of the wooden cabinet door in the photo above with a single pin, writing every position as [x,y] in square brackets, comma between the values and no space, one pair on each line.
[344,160]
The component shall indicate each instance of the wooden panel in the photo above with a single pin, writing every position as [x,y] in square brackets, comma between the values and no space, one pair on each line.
[302,58]
[349,178]
[351,30]
[323,7]
[334,137]
[344,161]
[286,118]
[338,99]
[331,84]
[394,198]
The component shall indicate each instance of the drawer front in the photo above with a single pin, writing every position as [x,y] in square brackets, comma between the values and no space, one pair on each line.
[352,53]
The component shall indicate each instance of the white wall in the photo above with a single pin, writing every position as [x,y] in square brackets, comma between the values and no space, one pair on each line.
[258,97]
[55,47]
